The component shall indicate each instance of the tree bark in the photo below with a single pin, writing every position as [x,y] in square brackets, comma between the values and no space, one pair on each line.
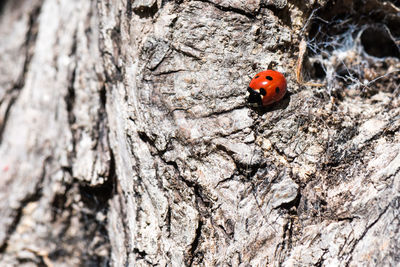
[126,140]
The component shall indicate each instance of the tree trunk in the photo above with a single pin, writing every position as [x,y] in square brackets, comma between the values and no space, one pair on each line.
[126,140]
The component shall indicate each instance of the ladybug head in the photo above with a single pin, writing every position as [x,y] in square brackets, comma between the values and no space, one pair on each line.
[255,97]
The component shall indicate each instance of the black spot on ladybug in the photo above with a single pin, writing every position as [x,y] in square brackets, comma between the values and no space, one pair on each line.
[256,77]
[277,90]
[269,78]
[262,91]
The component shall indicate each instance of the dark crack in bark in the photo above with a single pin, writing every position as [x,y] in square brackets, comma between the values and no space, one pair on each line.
[231,9]
[366,230]
[33,196]
[195,244]
[27,49]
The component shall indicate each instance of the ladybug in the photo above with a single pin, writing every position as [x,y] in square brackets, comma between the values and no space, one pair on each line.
[267,87]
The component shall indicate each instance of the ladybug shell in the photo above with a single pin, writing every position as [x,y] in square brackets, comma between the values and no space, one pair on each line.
[270,85]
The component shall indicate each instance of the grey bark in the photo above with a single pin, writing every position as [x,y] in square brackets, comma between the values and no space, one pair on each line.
[125,140]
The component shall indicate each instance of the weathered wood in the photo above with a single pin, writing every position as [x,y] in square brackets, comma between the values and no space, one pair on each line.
[125,140]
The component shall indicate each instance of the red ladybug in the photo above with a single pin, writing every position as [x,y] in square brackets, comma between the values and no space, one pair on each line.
[267,87]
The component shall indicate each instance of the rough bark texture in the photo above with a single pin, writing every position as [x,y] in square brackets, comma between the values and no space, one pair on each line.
[125,138]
